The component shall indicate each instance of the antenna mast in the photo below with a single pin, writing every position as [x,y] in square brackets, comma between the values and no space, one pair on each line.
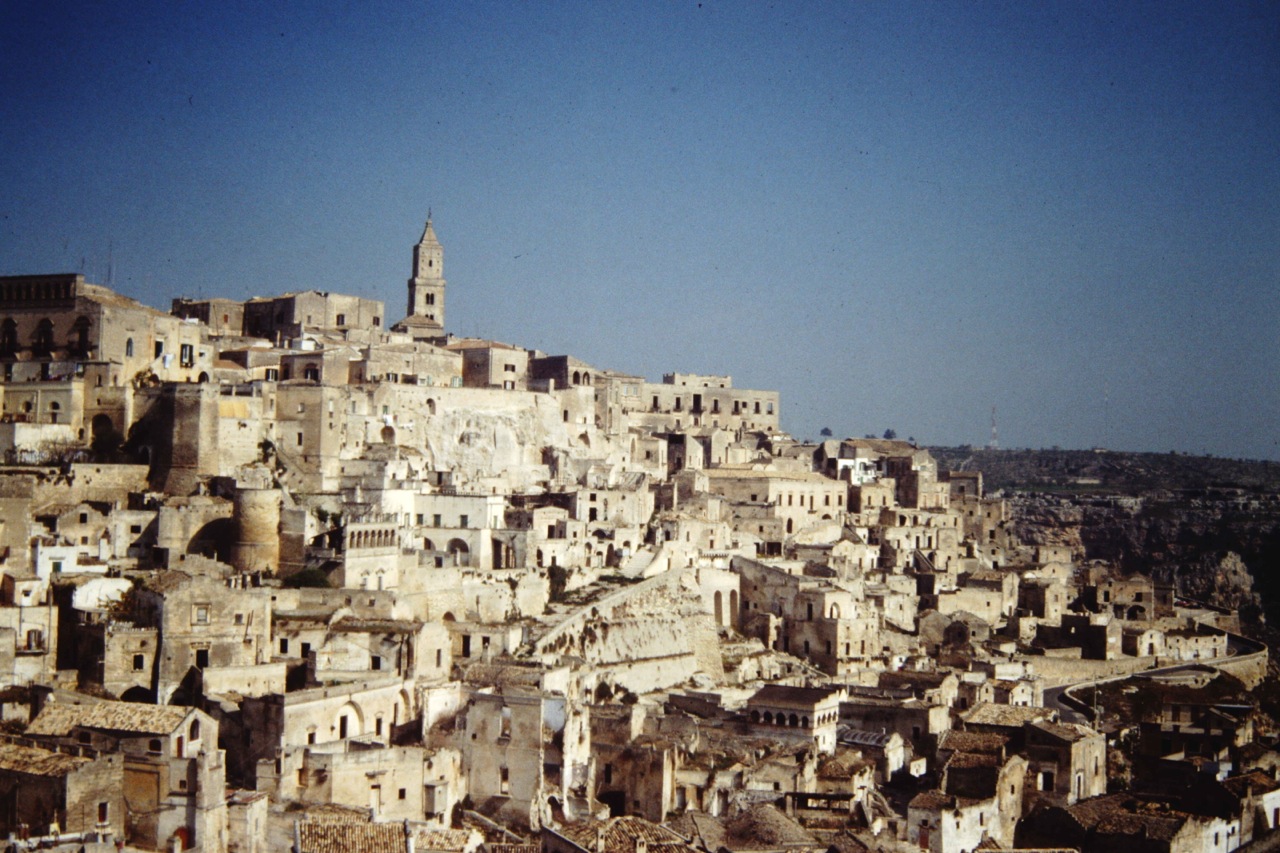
[994,444]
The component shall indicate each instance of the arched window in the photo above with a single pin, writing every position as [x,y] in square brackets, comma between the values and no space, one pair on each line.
[128,348]
[42,343]
[80,336]
[8,337]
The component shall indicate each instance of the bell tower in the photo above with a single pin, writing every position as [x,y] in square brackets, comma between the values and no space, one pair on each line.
[426,288]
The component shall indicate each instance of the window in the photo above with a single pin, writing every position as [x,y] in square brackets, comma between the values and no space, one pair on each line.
[375,663]
[403,793]
[200,614]
[153,746]
[104,812]
[186,355]
[139,663]
[462,520]
[284,646]
[342,319]
[273,374]
[159,350]
[202,658]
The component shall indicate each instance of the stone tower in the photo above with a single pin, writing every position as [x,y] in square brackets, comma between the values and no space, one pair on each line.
[426,288]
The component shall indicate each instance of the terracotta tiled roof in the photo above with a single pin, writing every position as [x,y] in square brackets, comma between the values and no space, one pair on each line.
[450,840]
[932,800]
[620,834]
[972,741]
[1119,814]
[791,697]
[1259,781]
[37,762]
[340,837]
[973,759]
[1069,732]
[989,714]
[59,718]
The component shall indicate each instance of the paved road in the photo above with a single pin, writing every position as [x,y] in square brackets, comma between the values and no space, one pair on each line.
[1236,645]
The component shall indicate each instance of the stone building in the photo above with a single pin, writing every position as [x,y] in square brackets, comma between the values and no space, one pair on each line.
[73,790]
[174,779]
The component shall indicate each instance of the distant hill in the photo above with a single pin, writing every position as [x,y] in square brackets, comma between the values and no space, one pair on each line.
[1107,471]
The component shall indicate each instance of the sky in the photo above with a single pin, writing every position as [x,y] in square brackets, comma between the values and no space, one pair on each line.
[899,215]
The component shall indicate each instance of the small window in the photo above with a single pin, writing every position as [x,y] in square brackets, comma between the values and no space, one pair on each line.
[154,746]
[403,793]
[284,646]
[201,614]
[139,663]
[104,812]
[202,658]
[375,663]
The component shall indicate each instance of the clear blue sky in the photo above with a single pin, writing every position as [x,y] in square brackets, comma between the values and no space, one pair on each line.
[898,215]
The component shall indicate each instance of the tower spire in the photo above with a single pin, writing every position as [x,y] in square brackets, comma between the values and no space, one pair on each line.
[426,286]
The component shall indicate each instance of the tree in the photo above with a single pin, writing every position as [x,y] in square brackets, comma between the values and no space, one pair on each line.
[826,432]
[890,434]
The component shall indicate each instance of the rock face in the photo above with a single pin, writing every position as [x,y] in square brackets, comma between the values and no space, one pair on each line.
[1225,581]
[1218,545]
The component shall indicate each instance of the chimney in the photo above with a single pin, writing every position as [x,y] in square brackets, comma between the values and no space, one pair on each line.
[600,838]
[408,837]
[642,846]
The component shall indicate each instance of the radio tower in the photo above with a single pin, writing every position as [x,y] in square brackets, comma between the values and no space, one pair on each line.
[994,444]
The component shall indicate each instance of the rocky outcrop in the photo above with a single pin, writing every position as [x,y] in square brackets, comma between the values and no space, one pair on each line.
[1218,545]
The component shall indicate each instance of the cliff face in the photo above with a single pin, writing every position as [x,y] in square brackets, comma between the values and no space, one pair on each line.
[1219,545]
[1211,524]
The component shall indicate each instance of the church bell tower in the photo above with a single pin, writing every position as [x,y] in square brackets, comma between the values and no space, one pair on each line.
[426,288]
